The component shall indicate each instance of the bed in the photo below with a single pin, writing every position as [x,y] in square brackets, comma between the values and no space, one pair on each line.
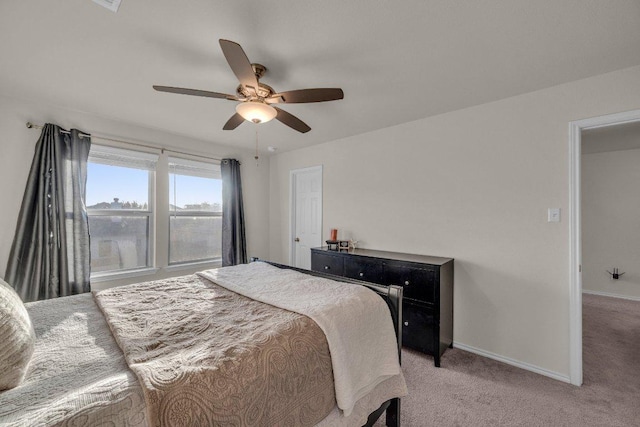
[231,346]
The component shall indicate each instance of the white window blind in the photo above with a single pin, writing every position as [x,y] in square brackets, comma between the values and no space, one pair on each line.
[125,158]
[194,168]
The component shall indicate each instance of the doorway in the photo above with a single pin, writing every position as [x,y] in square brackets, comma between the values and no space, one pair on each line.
[575,258]
[306,215]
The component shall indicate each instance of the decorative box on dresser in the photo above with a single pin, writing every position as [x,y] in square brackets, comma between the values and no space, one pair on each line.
[427,309]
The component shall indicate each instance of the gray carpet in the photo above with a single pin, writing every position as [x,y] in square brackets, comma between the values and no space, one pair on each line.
[470,390]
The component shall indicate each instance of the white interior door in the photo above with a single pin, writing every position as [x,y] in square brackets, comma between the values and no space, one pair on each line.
[306,214]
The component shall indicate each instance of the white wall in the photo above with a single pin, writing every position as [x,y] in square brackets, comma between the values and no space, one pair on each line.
[611,222]
[475,185]
[17,145]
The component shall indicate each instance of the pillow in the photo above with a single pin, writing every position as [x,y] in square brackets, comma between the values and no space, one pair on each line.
[17,337]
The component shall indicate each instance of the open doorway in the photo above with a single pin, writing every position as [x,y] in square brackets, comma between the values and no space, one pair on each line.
[610,206]
[578,130]
[610,210]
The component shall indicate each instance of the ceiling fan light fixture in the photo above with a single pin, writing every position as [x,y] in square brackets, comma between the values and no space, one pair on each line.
[256,111]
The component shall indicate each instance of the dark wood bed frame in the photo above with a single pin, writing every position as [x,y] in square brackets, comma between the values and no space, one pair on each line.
[392,295]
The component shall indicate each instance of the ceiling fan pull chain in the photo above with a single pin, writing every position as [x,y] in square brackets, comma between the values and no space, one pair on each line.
[256,156]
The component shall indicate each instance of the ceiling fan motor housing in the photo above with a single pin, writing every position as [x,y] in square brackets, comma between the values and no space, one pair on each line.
[264,91]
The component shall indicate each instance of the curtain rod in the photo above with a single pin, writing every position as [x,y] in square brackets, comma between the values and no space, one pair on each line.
[104,138]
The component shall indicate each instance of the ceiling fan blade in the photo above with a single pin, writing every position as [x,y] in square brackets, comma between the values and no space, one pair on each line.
[306,95]
[239,64]
[195,92]
[235,121]
[292,121]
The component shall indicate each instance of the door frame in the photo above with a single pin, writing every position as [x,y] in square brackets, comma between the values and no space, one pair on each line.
[292,206]
[575,232]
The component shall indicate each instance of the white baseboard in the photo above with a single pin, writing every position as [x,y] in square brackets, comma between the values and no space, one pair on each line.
[607,294]
[513,362]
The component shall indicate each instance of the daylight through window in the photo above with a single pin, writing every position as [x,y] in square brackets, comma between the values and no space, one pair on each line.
[195,211]
[120,188]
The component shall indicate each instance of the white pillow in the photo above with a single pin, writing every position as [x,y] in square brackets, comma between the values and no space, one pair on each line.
[17,338]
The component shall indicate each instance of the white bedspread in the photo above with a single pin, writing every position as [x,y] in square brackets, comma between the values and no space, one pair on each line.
[77,376]
[355,320]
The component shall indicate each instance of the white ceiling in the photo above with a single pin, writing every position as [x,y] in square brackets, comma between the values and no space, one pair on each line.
[397,61]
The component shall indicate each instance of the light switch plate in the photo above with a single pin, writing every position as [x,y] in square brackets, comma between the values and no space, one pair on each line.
[553,215]
[112,5]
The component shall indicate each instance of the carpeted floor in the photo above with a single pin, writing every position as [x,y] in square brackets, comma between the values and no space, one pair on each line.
[470,390]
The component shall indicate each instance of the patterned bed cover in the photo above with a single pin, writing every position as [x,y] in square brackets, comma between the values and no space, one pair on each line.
[79,375]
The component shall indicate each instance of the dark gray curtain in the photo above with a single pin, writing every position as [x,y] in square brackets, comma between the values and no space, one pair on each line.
[50,253]
[234,242]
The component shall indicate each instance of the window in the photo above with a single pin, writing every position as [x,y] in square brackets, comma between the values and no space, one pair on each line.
[120,188]
[132,233]
[195,211]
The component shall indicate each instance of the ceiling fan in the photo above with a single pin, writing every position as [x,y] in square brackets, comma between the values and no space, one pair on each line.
[257,99]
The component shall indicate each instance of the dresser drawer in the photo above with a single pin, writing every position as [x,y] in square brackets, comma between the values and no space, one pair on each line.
[331,264]
[418,283]
[369,270]
[418,328]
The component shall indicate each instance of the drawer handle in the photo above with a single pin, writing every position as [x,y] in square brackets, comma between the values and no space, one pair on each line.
[361,274]
[406,323]
[406,282]
[326,267]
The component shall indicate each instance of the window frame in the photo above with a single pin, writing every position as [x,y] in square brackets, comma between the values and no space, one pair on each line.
[197,214]
[150,213]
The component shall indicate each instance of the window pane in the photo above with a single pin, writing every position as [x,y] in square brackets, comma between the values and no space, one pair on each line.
[195,191]
[192,193]
[116,187]
[194,238]
[118,242]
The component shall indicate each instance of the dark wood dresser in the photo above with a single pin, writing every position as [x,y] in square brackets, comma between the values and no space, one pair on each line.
[427,309]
